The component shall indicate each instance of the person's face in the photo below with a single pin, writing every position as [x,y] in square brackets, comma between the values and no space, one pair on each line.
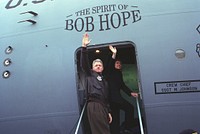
[118,64]
[97,67]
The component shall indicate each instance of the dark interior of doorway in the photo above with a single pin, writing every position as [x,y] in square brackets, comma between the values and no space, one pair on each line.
[126,52]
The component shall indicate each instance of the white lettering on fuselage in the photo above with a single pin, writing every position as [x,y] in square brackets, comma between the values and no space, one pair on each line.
[177,87]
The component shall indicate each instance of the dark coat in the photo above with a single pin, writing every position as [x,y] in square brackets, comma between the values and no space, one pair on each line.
[97,86]
[116,83]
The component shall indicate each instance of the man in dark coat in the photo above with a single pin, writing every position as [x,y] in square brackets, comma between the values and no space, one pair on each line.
[98,110]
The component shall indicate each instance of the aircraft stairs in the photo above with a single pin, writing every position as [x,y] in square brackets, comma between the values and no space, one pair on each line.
[138,129]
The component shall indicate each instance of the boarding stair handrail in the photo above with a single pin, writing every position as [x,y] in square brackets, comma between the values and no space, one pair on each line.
[140,117]
[80,118]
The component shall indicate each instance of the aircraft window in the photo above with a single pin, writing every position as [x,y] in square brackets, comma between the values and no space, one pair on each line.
[180,53]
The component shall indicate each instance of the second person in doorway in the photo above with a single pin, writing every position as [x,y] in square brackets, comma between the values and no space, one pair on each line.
[117,102]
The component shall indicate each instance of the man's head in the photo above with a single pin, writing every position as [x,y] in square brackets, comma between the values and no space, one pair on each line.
[118,64]
[97,65]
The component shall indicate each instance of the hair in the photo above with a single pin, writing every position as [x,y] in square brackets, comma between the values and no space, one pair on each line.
[117,59]
[97,60]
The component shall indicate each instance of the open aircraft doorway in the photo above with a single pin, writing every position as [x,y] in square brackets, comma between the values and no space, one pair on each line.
[127,54]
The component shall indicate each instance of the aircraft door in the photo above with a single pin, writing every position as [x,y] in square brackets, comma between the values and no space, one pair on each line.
[127,54]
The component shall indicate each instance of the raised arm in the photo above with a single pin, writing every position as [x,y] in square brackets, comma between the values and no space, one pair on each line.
[111,60]
[113,50]
[85,40]
[84,62]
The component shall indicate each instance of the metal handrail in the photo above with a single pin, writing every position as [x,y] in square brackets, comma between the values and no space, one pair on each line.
[80,118]
[140,117]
